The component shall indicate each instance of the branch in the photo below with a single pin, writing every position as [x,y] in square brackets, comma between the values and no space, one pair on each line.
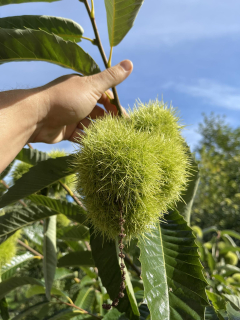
[69,191]
[104,58]
[30,249]
[134,267]
[7,187]
[76,307]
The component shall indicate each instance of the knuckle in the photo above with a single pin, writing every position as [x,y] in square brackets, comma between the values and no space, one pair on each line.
[113,73]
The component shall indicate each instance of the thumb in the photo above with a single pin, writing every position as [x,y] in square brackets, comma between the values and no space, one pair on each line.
[112,76]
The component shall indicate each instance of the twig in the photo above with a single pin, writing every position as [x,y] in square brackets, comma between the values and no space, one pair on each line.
[69,191]
[104,58]
[134,267]
[7,187]
[30,249]
[76,307]
[30,146]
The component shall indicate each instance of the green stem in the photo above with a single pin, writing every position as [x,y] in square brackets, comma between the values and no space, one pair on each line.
[85,38]
[92,10]
[116,101]
[110,58]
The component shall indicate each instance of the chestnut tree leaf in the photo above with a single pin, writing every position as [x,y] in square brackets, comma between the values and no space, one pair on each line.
[4,2]
[120,18]
[64,28]
[38,177]
[172,272]
[34,45]
[105,256]
[49,253]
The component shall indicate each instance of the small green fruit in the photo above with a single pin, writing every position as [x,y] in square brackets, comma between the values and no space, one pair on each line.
[221,245]
[138,165]
[208,245]
[236,277]
[231,258]
[197,231]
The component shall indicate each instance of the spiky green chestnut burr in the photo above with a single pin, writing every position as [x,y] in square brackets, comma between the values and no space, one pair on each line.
[122,165]
[8,249]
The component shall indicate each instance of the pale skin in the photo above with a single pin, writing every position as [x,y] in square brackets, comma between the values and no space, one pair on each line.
[56,111]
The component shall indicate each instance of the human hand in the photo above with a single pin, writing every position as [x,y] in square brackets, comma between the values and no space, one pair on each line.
[71,100]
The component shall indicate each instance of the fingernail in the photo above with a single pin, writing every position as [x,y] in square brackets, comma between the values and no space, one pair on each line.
[126,65]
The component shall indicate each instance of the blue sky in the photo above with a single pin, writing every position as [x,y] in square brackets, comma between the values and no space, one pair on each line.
[186,51]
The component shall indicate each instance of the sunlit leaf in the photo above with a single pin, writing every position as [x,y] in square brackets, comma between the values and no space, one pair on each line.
[85,298]
[120,18]
[232,313]
[64,28]
[32,156]
[33,45]
[171,271]
[17,262]
[4,2]
[49,253]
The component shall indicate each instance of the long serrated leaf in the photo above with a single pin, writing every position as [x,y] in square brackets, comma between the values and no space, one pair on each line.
[33,45]
[233,299]
[15,282]
[49,253]
[81,258]
[232,313]
[171,271]
[106,260]
[34,290]
[120,18]
[4,309]
[184,207]
[5,2]
[38,177]
[210,314]
[6,171]
[29,310]
[32,156]
[21,217]
[85,298]
[10,269]
[64,28]
[73,233]
[72,211]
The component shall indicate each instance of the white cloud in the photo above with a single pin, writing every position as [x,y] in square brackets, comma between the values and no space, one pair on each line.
[213,93]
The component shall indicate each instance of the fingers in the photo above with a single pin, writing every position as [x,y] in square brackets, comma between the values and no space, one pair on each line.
[76,136]
[112,76]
